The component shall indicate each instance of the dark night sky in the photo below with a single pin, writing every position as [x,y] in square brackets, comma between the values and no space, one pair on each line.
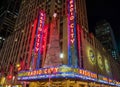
[104,9]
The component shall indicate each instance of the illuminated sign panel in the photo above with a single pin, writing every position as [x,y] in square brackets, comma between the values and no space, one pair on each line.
[102,79]
[100,61]
[91,55]
[44,43]
[40,30]
[71,3]
[64,72]
[117,83]
[107,66]
[40,40]
[58,72]
[72,42]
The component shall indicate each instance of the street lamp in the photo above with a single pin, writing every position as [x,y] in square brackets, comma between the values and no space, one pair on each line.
[55,15]
[17,65]
[61,55]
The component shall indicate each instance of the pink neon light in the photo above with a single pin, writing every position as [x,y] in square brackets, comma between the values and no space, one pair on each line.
[41,20]
[44,44]
[44,39]
[71,2]
[32,40]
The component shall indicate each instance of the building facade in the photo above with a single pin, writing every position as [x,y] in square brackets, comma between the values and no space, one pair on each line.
[105,34]
[51,46]
[8,15]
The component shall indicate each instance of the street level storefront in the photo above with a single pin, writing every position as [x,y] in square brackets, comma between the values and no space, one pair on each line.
[10,85]
[64,76]
[10,81]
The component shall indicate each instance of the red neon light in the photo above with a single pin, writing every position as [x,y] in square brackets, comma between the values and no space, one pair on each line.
[11,68]
[71,2]
[19,68]
[41,20]
[79,32]
[33,29]
[9,77]
[44,44]
[44,39]
[44,71]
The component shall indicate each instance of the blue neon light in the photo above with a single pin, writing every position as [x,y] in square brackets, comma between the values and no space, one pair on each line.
[58,75]
[41,37]
[72,48]
[75,44]
[38,60]
[70,74]
[69,52]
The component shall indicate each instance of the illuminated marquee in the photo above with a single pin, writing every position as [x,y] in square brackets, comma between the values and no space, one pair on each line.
[117,83]
[65,72]
[59,71]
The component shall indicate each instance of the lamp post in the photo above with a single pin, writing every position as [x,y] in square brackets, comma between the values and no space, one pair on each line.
[61,57]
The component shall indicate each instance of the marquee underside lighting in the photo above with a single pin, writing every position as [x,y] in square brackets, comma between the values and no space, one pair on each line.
[63,72]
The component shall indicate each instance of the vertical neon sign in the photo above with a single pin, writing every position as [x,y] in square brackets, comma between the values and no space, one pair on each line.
[72,42]
[39,30]
[39,39]
[71,19]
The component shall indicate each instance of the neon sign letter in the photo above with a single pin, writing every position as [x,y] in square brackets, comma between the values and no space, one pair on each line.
[40,27]
[71,3]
